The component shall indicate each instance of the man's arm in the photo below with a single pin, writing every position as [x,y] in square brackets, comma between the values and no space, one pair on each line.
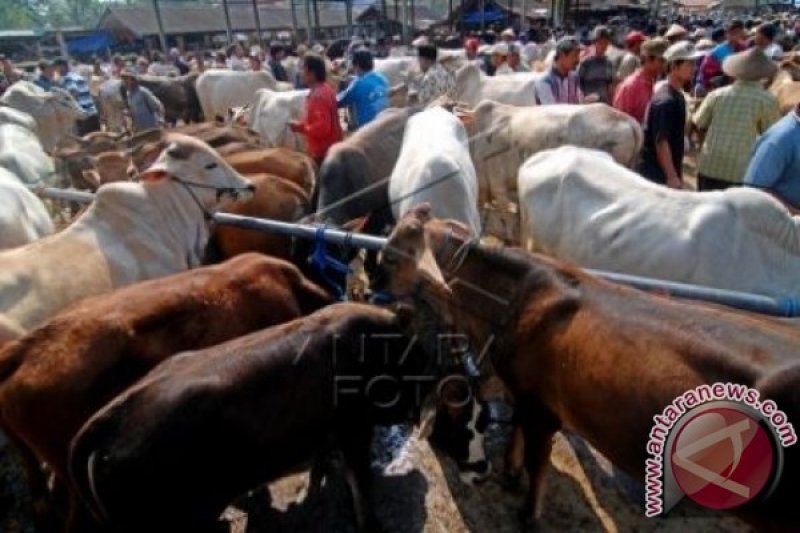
[664,156]
[544,93]
[345,97]
[701,119]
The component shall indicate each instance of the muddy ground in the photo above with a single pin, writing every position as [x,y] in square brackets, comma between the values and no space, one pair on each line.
[420,492]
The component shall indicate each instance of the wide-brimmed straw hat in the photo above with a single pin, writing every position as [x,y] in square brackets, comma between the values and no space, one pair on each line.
[675,31]
[750,65]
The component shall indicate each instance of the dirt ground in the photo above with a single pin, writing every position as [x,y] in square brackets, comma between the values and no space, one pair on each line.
[419,492]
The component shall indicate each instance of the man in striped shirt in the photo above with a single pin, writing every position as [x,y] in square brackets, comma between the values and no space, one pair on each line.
[76,85]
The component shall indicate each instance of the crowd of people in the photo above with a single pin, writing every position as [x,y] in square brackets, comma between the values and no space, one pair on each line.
[647,73]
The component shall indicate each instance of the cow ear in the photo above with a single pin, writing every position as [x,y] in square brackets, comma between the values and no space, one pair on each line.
[427,417]
[93,177]
[154,173]
[177,151]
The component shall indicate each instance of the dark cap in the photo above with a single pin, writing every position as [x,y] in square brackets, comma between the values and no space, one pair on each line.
[60,62]
[601,32]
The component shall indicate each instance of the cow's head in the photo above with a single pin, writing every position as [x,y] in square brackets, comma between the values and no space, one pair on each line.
[195,167]
[456,424]
[408,268]
[109,167]
[65,106]
[238,116]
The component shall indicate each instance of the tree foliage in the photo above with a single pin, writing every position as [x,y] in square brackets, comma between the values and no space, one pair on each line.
[36,14]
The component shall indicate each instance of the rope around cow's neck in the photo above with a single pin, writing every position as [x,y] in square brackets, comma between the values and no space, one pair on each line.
[233,191]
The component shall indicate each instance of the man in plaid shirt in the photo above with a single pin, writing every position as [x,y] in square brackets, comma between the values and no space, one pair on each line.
[734,117]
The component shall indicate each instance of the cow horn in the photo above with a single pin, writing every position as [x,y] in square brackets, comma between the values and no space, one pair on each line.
[427,417]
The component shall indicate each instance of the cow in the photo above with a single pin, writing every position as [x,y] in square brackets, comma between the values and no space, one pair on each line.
[112,105]
[587,356]
[270,114]
[434,166]
[290,165]
[215,134]
[132,232]
[786,89]
[502,137]
[23,217]
[276,199]
[191,435]
[85,355]
[219,90]
[179,96]
[473,87]
[581,206]
[354,176]
[55,111]
[21,152]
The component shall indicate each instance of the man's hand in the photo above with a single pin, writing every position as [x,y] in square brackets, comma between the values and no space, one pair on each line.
[675,182]
[591,98]
[295,126]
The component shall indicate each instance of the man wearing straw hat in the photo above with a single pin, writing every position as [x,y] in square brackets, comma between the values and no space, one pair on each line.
[676,33]
[634,94]
[732,118]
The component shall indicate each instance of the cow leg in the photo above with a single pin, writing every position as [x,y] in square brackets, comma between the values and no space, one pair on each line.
[539,426]
[514,458]
[356,448]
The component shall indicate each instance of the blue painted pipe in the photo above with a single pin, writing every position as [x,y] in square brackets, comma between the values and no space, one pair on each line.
[788,307]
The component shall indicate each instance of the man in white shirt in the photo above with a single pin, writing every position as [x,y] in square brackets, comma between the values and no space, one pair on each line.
[765,39]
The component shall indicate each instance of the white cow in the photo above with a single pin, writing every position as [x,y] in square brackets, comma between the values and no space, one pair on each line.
[581,206]
[132,232]
[270,114]
[219,90]
[434,167]
[23,217]
[395,69]
[55,112]
[21,153]
[473,86]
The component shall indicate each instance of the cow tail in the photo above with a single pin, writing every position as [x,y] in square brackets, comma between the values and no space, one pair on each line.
[311,178]
[83,465]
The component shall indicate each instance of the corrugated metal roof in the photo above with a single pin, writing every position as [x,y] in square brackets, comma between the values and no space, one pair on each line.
[141,20]
[20,34]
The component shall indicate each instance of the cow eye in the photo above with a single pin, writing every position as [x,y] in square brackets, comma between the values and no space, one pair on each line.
[211,166]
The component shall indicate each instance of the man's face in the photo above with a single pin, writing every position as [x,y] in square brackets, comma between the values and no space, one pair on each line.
[308,77]
[600,46]
[736,36]
[654,66]
[684,71]
[49,72]
[571,59]
[425,63]
[498,59]
[760,40]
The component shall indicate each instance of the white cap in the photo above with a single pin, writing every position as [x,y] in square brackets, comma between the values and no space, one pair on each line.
[500,48]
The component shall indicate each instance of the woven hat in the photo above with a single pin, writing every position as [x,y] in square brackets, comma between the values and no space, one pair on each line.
[750,65]
[508,32]
[655,47]
[675,31]
[682,51]
[704,45]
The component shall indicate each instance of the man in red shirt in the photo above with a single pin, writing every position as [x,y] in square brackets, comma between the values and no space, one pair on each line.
[634,94]
[321,126]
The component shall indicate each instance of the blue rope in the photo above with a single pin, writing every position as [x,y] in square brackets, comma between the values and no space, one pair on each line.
[324,263]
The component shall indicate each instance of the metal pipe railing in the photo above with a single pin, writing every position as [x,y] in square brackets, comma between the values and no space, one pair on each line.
[758,303]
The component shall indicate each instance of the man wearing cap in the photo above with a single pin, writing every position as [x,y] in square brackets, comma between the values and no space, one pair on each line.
[436,81]
[368,94]
[765,39]
[630,60]
[45,78]
[508,36]
[711,75]
[500,59]
[734,117]
[145,109]
[775,165]
[634,94]
[514,60]
[178,62]
[76,85]
[595,73]
[561,85]
[665,120]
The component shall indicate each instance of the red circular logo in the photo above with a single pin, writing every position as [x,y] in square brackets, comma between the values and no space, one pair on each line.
[722,458]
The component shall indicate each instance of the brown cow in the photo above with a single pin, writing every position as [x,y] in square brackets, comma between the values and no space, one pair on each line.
[581,354]
[289,165]
[217,134]
[274,198]
[171,452]
[53,379]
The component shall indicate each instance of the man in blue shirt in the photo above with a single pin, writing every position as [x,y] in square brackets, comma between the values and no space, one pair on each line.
[76,85]
[45,78]
[775,165]
[368,94]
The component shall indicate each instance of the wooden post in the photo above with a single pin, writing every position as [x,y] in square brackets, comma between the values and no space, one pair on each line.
[383,19]
[450,14]
[316,18]
[412,19]
[293,9]
[482,6]
[309,24]
[162,38]
[259,37]
[348,8]
[228,30]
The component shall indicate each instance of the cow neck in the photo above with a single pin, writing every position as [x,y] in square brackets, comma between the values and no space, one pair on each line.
[491,286]
[181,215]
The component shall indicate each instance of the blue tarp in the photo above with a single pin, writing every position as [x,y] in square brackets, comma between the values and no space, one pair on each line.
[91,44]
[491,14]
